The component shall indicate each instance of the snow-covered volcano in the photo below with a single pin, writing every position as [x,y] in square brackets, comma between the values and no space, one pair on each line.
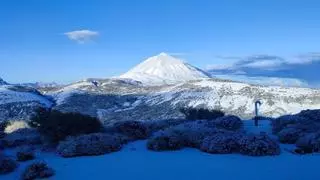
[164,69]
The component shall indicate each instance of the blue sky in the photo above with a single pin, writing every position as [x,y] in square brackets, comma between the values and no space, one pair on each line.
[34,46]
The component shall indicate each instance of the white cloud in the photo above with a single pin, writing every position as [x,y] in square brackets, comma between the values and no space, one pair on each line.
[81,36]
[264,64]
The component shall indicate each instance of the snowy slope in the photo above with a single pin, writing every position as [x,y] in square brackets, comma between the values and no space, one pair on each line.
[164,69]
[112,101]
[9,95]
[18,102]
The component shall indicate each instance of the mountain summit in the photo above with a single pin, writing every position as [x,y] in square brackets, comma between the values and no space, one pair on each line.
[164,69]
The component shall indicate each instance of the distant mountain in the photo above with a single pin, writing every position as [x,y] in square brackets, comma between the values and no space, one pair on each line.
[113,100]
[2,82]
[164,69]
[41,85]
[19,102]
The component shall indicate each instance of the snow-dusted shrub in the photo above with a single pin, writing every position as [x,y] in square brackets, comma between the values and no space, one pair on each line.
[229,122]
[258,145]
[201,113]
[133,129]
[21,137]
[16,125]
[282,122]
[37,170]
[56,125]
[309,143]
[189,134]
[164,141]
[25,154]
[221,143]
[313,115]
[194,132]
[289,135]
[7,165]
[89,145]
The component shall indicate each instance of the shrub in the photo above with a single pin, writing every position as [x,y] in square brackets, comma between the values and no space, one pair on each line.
[229,122]
[309,143]
[57,126]
[221,143]
[7,165]
[289,135]
[189,134]
[89,145]
[313,115]
[165,142]
[258,145]
[282,122]
[25,154]
[37,170]
[201,113]
[22,137]
[132,129]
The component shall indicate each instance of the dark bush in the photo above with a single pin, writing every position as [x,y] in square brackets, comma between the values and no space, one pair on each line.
[164,142]
[282,122]
[89,145]
[37,170]
[7,165]
[25,154]
[229,122]
[258,145]
[289,135]
[221,143]
[201,113]
[133,129]
[3,125]
[20,137]
[189,134]
[309,143]
[56,125]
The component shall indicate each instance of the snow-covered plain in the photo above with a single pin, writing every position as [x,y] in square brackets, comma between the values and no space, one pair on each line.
[134,161]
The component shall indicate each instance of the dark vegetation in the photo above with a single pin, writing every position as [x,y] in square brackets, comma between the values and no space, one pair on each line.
[302,129]
[56,126]
[201,113]
[25,154]
[7,165]
[90,145]
[37,170]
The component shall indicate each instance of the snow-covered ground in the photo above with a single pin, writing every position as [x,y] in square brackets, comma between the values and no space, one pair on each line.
[134,161]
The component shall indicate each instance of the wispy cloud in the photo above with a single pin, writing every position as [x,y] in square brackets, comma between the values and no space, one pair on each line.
[81,36]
